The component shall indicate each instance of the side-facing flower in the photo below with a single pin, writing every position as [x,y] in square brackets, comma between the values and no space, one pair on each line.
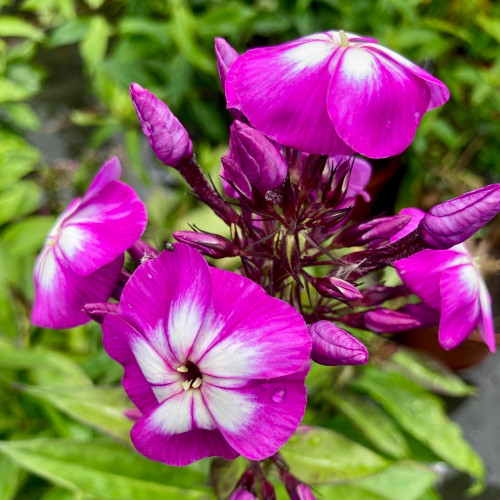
[215,365]
[333,93]
[448,280]
[83,253]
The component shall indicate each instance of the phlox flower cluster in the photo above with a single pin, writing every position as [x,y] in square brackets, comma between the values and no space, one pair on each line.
[215,361]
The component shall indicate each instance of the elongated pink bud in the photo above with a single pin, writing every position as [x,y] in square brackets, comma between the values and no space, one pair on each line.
[213,245]
[456,220]
[336,288]
[99,310]
[389,321]
[332,346]
[166,136]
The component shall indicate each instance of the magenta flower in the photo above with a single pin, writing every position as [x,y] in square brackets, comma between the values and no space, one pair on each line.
[448,280]
[215,365]
[83,253]
[333,93]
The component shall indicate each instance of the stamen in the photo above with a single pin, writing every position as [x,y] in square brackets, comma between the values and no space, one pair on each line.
[186,384]
[197,383]
[182,369]
[343,39]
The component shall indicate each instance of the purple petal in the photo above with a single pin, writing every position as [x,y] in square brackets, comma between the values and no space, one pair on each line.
[166,136]
[262,164]
[283,90]
[243,328]
[361,173]
[257,418]
[375,105]
[110,171]
[102,227]
[460,307]
[166,435]
[454,221]
[60,293]
[332,346]
[166,300]
[421,272]
[439,93]
[225,55]
[485,324]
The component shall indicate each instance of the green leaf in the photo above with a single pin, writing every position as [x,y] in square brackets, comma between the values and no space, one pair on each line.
[95,43]
[490,26]
[14,26]
[68,33]
[20,199]
[11,91]
[319,455]
[22,115]
[422,415]
[9,478]
[17,158]
[27,236]
[406,479]
[94,4]
[372,422]
[100,407]
[430,373]
[104,469]
[47,367]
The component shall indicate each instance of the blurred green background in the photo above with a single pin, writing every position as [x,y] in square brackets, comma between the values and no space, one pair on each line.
[65,68]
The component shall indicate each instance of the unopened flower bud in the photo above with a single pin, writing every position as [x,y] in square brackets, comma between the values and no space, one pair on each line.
[390,321]
[99,310]
[332,346]
[166,136]
[225,55]
[245,488]
[262,164]
[212,245]
[333,218]
[234,180]
[336,288]
[267,490]
[296,489]
[373,232]
[454,221]
[140,251]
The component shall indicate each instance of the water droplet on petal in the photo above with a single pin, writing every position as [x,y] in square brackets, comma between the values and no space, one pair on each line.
[278,395]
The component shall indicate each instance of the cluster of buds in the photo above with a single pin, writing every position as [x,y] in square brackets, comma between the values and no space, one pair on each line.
[290,180]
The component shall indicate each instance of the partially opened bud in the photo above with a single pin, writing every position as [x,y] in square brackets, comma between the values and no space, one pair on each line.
[332,346]
[389,321]
[166,136]
[263,165]
[234,180]
[225,55]
[454,221]
[213,245]
[99,310]
[336,288]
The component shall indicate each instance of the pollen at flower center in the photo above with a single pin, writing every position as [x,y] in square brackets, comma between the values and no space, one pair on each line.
[191,375]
